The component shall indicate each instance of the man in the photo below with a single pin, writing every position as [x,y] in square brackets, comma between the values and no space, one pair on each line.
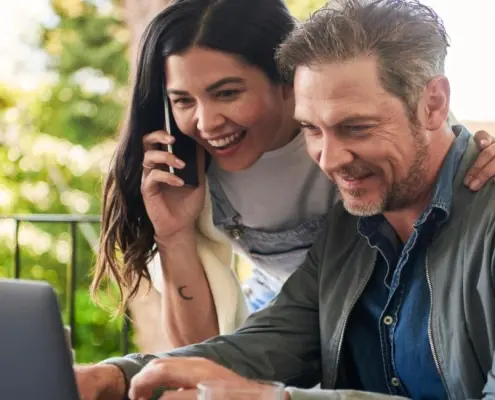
[403,305]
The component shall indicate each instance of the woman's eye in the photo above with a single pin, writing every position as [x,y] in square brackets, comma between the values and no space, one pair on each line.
[183,100]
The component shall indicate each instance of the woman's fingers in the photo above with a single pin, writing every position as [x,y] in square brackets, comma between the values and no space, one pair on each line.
[483,139]
[155,177]
[155,158]
[484,167]
[154,139]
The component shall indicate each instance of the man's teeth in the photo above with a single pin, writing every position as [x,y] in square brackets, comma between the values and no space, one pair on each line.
[225,141]
[356,178]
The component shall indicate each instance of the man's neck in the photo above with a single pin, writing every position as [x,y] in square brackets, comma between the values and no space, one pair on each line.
[288,129]
[403,220]
[285,136]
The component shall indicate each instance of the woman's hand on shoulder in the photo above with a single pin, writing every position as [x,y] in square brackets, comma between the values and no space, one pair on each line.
[483,170]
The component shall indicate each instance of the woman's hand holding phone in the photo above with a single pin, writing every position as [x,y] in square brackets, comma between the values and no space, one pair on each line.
[171,207]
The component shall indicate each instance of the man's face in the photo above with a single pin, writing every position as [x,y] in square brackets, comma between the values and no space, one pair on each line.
[361,135]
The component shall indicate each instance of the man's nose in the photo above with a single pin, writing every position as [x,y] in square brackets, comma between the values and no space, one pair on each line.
[334,154]
[209,118]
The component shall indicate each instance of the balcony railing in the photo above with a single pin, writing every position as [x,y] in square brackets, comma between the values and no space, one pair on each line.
[72,221]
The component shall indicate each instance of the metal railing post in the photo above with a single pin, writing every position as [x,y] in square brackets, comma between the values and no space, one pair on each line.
[126,328]
[17,256]
[71,287]
[71,282]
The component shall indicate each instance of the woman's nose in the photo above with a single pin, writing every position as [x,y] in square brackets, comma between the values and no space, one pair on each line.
[209,118]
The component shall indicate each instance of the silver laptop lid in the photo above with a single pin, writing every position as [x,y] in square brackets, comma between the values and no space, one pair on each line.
[35,362]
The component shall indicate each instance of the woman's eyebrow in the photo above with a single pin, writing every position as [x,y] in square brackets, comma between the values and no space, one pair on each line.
[213,86]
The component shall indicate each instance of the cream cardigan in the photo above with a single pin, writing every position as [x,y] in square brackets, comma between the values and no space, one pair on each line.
[216,255]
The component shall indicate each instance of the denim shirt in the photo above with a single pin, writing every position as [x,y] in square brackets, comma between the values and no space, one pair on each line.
[387,334]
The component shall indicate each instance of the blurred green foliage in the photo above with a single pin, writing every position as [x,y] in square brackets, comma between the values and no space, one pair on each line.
[302,8]
[7,99]
[55,146]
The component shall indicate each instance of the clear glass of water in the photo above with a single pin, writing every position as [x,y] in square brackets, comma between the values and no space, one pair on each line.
[226,390]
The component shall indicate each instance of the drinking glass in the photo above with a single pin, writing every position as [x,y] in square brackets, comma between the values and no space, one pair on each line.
[226,390]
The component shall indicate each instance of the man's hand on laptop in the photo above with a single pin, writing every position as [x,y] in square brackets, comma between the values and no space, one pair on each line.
[178,373]
[100,382]
[183,373]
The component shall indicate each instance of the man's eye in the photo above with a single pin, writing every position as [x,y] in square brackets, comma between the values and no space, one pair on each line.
[306,128]
[357,128]
[227,93]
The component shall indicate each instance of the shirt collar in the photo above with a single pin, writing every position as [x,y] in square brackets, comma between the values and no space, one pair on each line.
[441,201]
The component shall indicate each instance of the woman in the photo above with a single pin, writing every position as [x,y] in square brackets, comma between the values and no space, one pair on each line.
[215,60]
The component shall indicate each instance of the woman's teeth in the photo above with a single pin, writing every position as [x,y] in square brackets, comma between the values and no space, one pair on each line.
[226,141]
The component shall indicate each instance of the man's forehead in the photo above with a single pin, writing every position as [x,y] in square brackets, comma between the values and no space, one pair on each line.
[337,88]
[337,79]
[332,112]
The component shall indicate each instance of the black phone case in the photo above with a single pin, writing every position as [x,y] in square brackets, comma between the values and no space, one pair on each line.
[185,148]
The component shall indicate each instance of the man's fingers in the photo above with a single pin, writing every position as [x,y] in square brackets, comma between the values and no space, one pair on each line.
[190,394]
[170,373]
[147,380]
[178,372]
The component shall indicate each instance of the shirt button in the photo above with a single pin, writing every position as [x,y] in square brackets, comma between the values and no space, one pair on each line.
[388,320]
[395,382]
[236,233]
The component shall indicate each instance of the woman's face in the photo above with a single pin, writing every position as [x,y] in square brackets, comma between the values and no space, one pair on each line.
[228,106]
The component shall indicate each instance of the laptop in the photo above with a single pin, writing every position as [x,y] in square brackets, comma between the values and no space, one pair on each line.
[35,362]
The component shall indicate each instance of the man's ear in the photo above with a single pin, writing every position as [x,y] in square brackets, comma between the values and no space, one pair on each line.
[437,102]
[287,91]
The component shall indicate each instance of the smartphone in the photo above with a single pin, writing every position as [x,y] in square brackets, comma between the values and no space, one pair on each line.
[184,147]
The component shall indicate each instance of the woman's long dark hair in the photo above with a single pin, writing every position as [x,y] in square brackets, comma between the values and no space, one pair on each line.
[250,29]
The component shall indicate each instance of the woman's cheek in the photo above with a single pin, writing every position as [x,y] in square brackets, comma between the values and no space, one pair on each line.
[245,113]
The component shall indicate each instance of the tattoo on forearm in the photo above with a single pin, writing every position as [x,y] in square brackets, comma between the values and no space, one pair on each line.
[182,295]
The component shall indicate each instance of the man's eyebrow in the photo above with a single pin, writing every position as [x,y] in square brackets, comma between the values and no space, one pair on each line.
[211,87]
[355,119]
[300,119]
[348,120]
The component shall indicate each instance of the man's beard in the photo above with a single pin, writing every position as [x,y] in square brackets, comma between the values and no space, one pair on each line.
[402,194]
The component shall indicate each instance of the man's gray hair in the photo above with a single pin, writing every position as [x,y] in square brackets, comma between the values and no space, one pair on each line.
[407,37]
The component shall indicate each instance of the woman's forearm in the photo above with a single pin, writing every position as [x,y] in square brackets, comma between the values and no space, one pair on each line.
[188,309]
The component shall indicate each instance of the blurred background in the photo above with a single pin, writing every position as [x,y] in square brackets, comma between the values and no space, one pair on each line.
[64,72]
